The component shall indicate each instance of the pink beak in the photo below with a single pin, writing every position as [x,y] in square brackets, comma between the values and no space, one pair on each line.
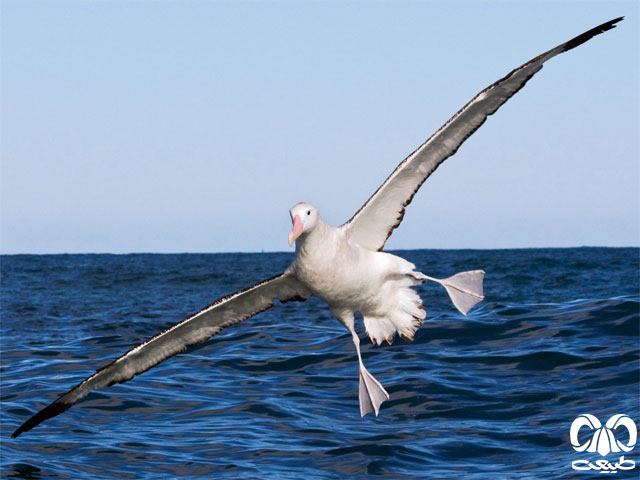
[296,230]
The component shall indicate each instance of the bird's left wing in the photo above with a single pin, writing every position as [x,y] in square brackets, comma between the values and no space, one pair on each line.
[372,225]
[196,329]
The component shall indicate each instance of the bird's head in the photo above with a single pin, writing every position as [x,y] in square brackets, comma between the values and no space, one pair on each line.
[304,217]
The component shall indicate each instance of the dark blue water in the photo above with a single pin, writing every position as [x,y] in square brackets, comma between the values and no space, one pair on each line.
[488,395]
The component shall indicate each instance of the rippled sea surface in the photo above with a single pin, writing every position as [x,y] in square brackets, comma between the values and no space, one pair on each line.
[490,395]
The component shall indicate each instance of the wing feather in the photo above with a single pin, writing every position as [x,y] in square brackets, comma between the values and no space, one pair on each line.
[197,328]
[372,225]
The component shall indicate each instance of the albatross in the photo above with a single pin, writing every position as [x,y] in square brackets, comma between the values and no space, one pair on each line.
[344,266]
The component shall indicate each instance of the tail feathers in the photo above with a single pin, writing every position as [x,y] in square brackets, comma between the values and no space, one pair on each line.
[405,319]
[380,329]
[465,289]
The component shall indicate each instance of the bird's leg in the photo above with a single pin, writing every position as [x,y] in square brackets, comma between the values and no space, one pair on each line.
[370,393]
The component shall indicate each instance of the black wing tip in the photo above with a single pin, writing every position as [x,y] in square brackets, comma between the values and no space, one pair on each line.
[51,410]
[588,35]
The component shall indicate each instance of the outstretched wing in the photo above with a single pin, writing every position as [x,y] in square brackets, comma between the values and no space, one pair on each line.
[372,225]
[196,329]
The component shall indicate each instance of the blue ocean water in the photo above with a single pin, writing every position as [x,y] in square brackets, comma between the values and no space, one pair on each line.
[490,395]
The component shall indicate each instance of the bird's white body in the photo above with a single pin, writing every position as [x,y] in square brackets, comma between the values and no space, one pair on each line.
[352,278]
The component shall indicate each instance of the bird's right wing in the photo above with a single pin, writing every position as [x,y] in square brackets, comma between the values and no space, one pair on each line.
[196,329]
[372,225]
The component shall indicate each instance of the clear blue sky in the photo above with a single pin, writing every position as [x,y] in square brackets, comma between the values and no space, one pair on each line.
[195,126]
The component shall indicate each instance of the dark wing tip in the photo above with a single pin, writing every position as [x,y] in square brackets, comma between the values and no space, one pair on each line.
[588,35]
[51,410]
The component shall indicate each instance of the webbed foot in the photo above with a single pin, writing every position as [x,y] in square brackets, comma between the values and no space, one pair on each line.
[371,393]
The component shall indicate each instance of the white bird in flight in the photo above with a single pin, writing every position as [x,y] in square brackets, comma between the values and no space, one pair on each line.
[344,266]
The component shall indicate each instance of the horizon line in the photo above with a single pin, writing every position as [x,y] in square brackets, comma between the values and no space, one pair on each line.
[293,251]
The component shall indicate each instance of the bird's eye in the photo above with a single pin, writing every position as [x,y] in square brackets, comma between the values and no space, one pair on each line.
[308,212]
